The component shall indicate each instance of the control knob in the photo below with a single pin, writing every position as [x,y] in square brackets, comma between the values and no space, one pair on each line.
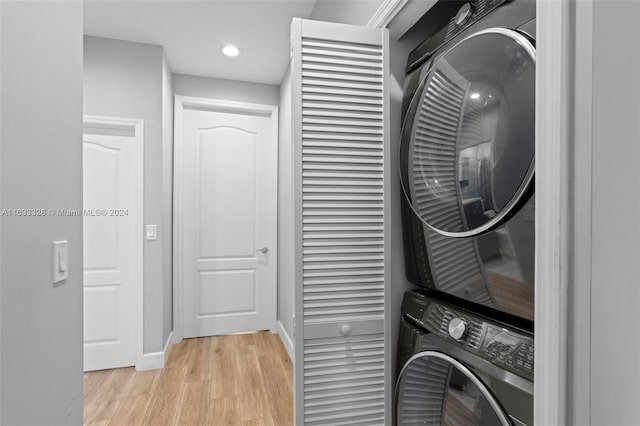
[457,328]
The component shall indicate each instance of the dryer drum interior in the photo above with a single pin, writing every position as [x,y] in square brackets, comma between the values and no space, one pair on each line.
[435,389]
[468,144]
[467,162]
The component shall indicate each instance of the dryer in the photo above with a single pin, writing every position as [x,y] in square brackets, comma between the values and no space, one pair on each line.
[467,160]
[458,368]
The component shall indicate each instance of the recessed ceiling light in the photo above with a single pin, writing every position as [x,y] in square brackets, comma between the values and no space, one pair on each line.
[475,95]
[230,50]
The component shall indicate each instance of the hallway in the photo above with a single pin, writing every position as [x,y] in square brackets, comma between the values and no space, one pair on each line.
[232,380]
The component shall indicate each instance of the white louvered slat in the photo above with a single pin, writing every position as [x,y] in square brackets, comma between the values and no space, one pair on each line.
[341,224]
[338,107]
[345,60]
[351,101]
[341,76]
[344,380]
[339,69]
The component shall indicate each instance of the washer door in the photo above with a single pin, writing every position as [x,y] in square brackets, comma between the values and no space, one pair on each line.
[436,389]
[468,140]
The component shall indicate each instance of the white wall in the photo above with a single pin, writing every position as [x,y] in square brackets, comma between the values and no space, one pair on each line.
[286,237]
[615,308]
[41,167]
[125,79]
[228,90]
[167,199]
[354,12]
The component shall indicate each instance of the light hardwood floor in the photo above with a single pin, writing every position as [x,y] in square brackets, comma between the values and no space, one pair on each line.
[234,380]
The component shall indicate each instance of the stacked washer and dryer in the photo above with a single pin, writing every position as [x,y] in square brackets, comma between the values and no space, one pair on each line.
[467,154]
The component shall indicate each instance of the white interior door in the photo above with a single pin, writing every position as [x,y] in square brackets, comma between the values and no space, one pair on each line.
[111,276]
[228,222]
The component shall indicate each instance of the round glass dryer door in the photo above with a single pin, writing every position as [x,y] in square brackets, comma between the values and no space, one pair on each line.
[468,143]
[435,389]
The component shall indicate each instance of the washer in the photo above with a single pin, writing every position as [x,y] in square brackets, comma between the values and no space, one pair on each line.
[459,368]
[467,160]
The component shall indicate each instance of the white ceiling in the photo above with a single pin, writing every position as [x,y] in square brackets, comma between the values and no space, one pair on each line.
[192,31]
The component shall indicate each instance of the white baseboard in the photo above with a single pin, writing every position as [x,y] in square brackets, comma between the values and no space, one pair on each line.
[286,340]
[155,360]
[151,361]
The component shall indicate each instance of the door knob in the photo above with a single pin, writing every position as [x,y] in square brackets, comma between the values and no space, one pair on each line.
[264,250]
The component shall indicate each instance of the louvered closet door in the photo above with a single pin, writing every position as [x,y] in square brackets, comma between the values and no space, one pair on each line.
[340,155]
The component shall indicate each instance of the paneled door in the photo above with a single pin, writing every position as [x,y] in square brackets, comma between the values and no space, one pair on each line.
[112,192]
[227,222]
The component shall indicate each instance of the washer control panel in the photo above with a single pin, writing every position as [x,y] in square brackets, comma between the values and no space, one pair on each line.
[507,348]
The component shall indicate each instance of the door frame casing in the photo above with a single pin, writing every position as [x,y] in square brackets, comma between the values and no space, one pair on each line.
[111,126]
[217,105]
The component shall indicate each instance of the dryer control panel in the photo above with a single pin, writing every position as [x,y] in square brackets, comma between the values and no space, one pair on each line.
[497,343]
[467,14]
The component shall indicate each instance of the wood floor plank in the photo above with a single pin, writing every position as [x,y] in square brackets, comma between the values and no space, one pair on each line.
[218,381]
[171,380]
[100,410]
[244,339]
[283,356]
[252,394]
[131,411]
[163,409]
[197,361]
[144,382]
[224,412]
[177,354]
[93,383]
[223,367]
[194,410]
[102,423]
[264,343]
[117,384]
[267,421]
[279,389]
[288,366]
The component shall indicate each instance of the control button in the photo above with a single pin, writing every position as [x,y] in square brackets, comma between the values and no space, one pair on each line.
[457,328]
[463,15]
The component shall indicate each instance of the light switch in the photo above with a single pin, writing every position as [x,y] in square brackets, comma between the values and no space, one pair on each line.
[60,261]
[152,232]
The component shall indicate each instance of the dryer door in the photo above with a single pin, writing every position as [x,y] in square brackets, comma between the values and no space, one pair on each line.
[467,150]
[435,389]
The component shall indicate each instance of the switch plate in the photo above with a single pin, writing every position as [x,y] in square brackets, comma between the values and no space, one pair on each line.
[152,232]
[60,261]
